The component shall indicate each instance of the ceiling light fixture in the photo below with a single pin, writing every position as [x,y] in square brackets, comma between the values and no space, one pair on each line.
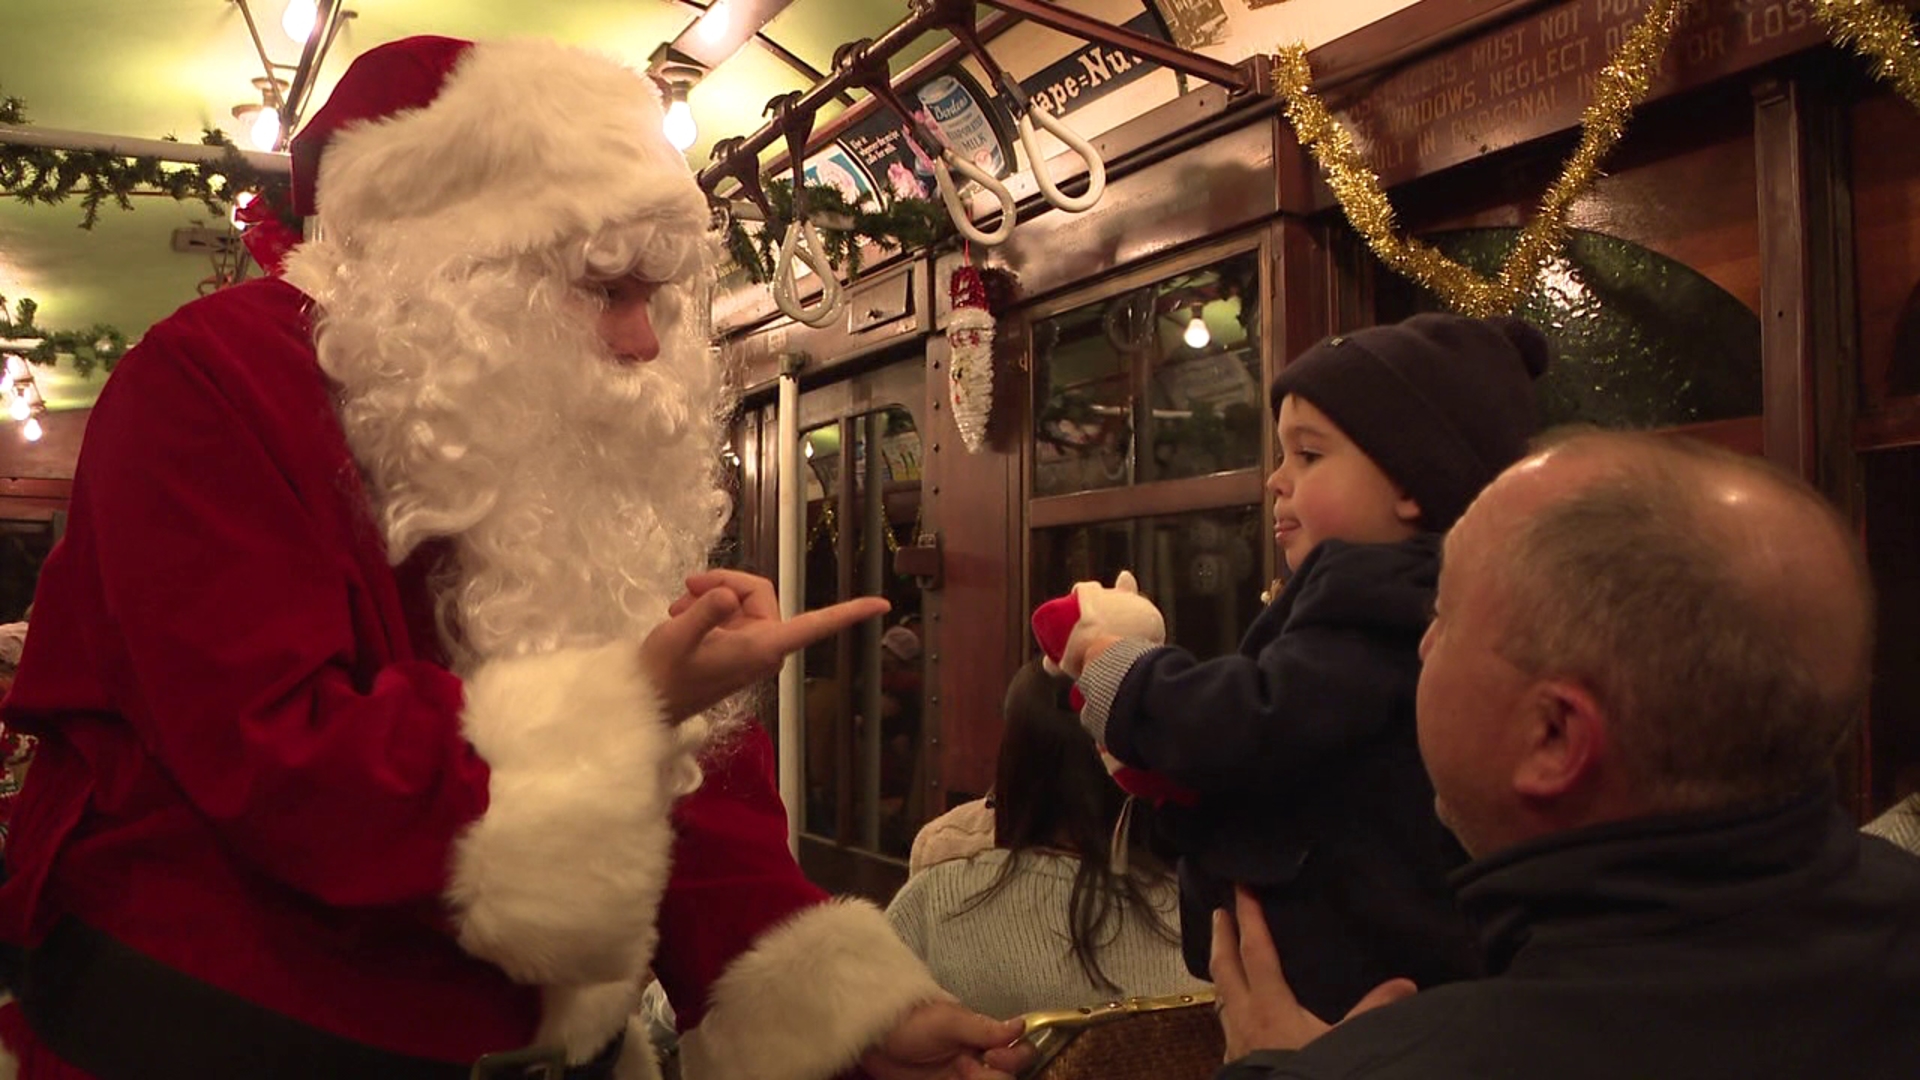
[299,20]
[677,74]
[1196,335]
[24,402]
[313,25]
[262,121]
[678,125]
[240,202]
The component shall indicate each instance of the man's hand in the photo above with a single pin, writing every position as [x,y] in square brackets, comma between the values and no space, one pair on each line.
[1257,1007]
[726,633]
[941,1040]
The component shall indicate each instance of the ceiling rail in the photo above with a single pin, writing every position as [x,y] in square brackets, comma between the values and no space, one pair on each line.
[1252,75]
[127,146]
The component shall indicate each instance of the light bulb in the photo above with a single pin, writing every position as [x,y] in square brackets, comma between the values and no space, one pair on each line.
[21,409]
[679,126]
[265,130]
[713,25]
[1196,335]
[806,447]
[32,430]
[239,204]
[298,19]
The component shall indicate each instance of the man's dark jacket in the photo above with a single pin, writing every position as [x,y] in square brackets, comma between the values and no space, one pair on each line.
[1777,945]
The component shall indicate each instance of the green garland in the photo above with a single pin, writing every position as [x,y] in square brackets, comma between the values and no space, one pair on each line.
[44,176]
[907,224]
[99,345]
[41,176]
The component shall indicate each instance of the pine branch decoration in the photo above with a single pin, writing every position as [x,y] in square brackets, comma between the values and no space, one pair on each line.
[43,176]
[98,345]
[907,225]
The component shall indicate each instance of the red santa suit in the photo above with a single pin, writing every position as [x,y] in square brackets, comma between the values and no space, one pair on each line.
[258,770]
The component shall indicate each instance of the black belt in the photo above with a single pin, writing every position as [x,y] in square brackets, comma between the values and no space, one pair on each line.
[118,1014]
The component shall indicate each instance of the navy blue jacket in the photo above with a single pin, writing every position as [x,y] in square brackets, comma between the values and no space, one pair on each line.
[1776,944]
[1303,753]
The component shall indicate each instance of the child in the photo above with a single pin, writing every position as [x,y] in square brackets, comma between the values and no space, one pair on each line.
[1292,766]
[1048,917]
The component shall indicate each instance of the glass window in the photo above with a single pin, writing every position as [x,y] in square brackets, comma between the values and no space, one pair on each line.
[1640,340]
[23,548]
[1158,383]
[864,736]
[1202,569]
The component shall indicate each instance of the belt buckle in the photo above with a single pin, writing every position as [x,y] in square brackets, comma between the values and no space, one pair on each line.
[528,1063]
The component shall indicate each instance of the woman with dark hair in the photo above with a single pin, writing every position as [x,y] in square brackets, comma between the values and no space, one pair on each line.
[1052,916]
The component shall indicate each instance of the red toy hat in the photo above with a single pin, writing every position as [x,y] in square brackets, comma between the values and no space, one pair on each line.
[1053,624]
[384,80]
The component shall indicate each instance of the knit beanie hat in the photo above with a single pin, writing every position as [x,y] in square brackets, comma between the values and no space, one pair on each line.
[1441,403]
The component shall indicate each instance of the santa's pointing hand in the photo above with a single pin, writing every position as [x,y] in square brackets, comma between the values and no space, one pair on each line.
[725,633]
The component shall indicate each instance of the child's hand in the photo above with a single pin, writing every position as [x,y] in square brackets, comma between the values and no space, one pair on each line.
[1107,615]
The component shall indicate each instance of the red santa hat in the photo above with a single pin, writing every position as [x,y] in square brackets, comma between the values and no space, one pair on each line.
[384,80]
[491,148]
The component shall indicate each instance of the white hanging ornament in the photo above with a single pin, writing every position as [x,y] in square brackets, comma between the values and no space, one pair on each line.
[970,365]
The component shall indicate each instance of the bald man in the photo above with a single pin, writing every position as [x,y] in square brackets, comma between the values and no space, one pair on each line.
[1645,655]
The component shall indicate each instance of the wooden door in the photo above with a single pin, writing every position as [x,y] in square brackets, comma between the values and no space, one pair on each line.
[865,731]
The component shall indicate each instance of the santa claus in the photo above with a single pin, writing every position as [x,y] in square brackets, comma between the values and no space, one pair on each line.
[378,677]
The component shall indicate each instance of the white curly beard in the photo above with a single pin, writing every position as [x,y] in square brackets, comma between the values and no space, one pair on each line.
[483,408]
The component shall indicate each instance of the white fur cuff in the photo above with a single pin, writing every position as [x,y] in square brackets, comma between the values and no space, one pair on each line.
[559,882]
[809,998]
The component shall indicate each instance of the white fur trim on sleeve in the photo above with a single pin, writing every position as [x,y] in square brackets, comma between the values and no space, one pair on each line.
[559,882]
[808,998]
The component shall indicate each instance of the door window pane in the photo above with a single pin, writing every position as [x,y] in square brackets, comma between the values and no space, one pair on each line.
[864,732]
[1639,339]
[1158,383]
[1201,569]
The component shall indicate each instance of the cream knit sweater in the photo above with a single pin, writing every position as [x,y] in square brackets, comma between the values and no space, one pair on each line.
[1012,954]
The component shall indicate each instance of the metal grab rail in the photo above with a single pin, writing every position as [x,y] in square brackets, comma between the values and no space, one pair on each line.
[957,17]
[802,241]
[863,67]
[871,72]
[1096,168]
[785,288]
[957,208]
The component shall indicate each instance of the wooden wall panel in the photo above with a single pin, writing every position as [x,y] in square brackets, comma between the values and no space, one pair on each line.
[972,501]
[1807,305]
[1886,219]
[1892,737]
[1532,75]
[54,456]
[1682,184]
[1209,191]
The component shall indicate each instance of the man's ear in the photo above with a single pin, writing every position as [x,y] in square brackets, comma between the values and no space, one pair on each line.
[1566,740]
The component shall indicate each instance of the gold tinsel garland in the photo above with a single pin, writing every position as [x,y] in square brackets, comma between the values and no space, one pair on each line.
[1879,31]
[1620,87]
